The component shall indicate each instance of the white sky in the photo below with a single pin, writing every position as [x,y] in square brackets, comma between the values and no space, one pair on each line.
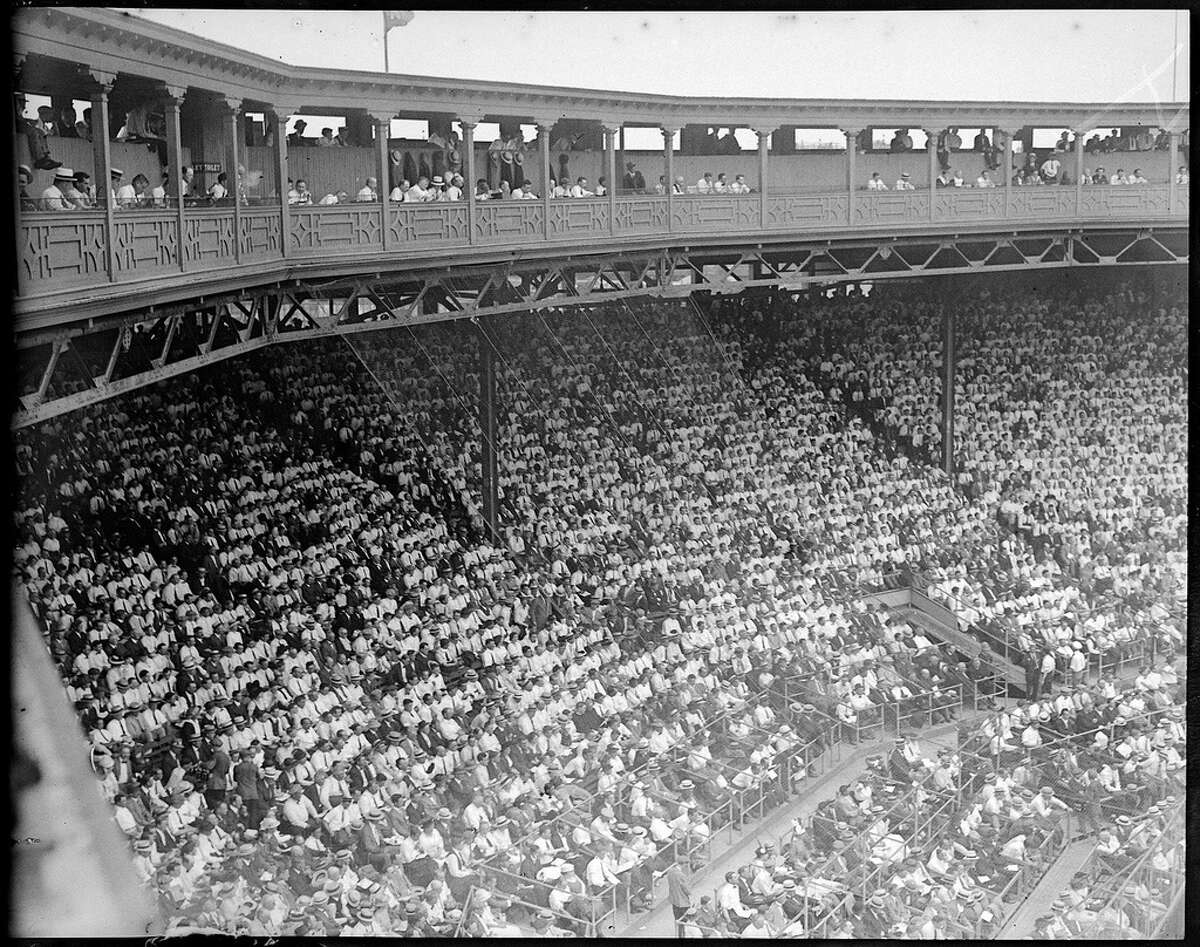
[1104,56]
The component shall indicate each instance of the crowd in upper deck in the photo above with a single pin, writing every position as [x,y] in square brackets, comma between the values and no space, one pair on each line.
[322,697]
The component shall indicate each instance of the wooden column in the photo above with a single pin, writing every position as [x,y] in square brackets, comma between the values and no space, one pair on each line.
[610,163]
[545,130]
[489,459]
[279,120]
[468,139]
[668,134]
[1078,172]
[763,151]
[1172,170]
[232,109]
[931,149]
[1008,171]
[383,128]
[18,233]
[102,151]
[851,151]
[171,102]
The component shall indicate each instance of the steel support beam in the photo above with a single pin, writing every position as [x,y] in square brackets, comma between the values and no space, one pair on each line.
[949,358]
[489,461]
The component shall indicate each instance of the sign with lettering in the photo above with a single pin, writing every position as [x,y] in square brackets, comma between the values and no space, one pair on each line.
[207,168]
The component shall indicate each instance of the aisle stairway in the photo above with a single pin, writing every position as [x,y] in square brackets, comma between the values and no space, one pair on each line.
[1051,887]
[659,921]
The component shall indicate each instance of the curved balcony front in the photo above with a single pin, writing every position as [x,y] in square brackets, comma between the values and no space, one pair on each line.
[63,258]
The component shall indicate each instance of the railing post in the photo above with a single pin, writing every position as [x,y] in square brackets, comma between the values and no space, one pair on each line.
[101,149]
[383,128]
[17,273]
[468,137]
[172,99]
[279,120]
[233,111]
[1172,164]
[931,149]
[610,164]
[764,135]
[545,130]
[1079,135]
[1007,172]
[668,134]
[851,155]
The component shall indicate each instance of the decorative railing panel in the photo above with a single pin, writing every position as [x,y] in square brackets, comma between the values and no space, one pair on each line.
[968,203]
[338,228]
[585,217]
[145,242]
[1046,201]
[509,221]
[208,238]
[895,207]
[704,214]
[58,251]
[67,250]
[428,224]
[807,210]
[1141,200]
[641,215]
[259,236]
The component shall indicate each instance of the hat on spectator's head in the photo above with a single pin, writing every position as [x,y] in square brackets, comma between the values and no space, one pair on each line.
[64,174]
[116,173]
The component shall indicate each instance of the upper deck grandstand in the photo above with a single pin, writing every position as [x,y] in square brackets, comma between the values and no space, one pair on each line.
[758,554]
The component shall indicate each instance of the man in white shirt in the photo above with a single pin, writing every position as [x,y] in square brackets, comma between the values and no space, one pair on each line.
[984,180]
[330,199]
[903,183]
[1136,177]
[53,197]
[419,192]
[580,188]
[300,195]
[876,183]
[1050,170]
[705,184]
[367,193]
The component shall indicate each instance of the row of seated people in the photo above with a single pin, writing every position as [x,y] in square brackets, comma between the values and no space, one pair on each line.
[263,564]
[177,610]
[964,881]
[890,375]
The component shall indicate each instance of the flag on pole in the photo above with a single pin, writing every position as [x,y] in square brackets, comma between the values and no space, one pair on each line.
[394,18]
[391,20]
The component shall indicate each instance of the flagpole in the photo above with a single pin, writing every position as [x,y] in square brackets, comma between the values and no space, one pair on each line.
[385,44]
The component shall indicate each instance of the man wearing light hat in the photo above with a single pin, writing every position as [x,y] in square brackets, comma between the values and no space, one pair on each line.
[53,197]
[903,183]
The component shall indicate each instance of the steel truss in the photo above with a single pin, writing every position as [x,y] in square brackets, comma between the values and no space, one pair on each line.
[80,364]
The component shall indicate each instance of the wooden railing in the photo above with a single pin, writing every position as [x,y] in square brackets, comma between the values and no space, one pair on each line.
[59,251]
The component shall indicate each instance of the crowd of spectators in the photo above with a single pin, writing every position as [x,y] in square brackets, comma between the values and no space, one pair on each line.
[322,696]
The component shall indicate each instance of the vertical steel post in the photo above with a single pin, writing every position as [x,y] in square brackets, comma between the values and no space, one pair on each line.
[487,426]
[949,357]
[468,137]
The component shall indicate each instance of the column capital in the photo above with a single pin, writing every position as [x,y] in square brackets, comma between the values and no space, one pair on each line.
[173,95]
[544,121]
[469,118]
[765,133]
[670,131]
[285,110]
[380,118]
[229,104]
[610,126]
[851,131]
[104,80]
